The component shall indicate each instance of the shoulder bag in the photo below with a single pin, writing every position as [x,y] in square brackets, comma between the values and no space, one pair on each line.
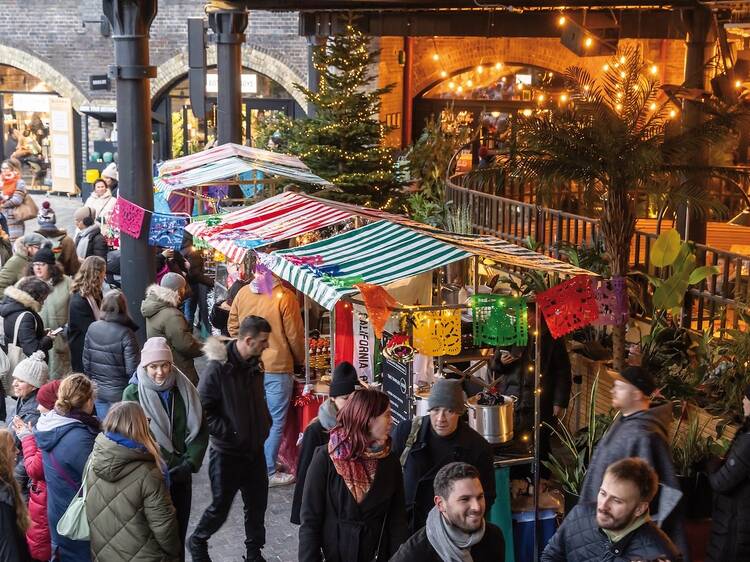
[74,524]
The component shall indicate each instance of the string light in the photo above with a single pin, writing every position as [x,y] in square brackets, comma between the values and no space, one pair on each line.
[654,70]
[451,85]
[469,83]
[606,67]
[653,106]
[541,98]
[738,84]
[480,69]
[443,74]
[623,74]
[673,114]
[563,97]
[561,21]
[588,42]
[622,60]
[498,66]
[460,89]
[435,57]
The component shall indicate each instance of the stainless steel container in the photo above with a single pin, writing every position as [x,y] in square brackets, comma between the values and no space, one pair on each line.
[494,423]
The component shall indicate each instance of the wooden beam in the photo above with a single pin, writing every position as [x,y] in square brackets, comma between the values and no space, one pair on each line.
[650,24]
[348,5]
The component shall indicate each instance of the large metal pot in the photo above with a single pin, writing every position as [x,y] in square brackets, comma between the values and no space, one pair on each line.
[494,423]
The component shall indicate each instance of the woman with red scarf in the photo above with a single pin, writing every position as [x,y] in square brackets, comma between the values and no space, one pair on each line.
[353,505]
[14,191]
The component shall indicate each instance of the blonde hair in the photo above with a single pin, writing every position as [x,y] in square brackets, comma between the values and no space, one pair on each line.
[129,419]
[75,390]
[7,465]
[88,280]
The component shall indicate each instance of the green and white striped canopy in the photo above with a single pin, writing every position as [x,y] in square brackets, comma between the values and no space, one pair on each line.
[380,253]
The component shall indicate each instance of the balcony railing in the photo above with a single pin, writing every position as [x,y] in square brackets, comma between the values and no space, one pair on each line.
[714,303]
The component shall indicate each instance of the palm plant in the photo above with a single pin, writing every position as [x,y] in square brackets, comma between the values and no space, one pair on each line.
[615,142]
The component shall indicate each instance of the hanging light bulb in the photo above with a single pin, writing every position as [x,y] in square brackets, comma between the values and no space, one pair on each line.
[541,98]
[563,97]
[622,60]
[561,21]
[460,89]
[738,84]
[618,107]
[443,74]
[673,114]
[623,74]
[605,67]
[480,69]
[498,65]
[451,85]
[435,57]
[588,42]
[654,70]
[653,106]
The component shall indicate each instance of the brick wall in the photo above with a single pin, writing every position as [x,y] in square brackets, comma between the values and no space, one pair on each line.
[60,42]
[391,72]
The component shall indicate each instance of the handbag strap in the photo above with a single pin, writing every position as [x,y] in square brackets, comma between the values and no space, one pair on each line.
[18,324]
[63,472]
[380,539]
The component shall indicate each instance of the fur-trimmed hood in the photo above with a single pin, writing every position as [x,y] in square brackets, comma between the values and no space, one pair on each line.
[157,299]
[23,298]
[215,349]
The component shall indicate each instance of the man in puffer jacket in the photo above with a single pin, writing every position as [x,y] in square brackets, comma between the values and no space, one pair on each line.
[164,319]
[37,535]
[616,528]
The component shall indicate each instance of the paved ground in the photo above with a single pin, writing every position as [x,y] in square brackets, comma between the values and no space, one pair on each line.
[228,544]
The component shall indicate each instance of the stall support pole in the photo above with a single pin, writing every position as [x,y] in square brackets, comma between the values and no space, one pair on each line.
[537,422]
[476,275]
[307,340]
[333,339]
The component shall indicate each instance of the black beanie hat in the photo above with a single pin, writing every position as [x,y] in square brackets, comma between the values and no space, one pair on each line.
[344,380]
[640,378]
[44,255]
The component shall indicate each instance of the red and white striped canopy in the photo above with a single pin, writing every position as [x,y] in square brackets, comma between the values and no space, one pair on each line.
[278,218]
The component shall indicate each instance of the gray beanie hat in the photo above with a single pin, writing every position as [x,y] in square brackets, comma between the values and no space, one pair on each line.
[35,239]
[447,393]
[32,370]
[173,281]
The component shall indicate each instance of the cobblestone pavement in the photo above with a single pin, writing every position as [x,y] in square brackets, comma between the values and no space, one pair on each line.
[228,544]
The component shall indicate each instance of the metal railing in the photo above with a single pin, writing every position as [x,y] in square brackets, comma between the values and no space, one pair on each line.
[712,304]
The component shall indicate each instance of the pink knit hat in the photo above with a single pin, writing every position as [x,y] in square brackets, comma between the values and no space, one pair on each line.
[155,350]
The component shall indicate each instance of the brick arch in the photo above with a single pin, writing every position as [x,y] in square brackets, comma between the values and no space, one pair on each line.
[462,53]
[35,66]
[168,72]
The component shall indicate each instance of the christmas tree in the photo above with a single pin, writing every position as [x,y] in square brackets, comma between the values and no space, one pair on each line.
[343,142]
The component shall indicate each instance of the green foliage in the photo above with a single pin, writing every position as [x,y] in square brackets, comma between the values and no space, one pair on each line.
[426,210]
[343,142]
[691,449]
[431,156]
[569,469]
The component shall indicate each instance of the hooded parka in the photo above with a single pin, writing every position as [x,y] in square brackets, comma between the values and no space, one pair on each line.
[730,529]
[130,513]
[16,266]
[20,305]
[165,319]
[111,355]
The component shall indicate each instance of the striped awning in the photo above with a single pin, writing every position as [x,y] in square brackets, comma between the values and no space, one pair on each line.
[491,247]
[274,219]
[227,161]
[381,252]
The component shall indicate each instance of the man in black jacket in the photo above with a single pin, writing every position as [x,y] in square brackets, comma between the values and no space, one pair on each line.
[456,523]
[427,444]
[616,528]
[231,390]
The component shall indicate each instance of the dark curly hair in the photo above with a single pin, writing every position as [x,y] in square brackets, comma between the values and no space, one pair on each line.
[35,288]
[449,474]
[56,270]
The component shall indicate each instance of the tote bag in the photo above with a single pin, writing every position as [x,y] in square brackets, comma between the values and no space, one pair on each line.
[73,524]
[26,210]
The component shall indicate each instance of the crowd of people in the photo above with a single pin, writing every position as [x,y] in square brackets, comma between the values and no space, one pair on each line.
[103,435]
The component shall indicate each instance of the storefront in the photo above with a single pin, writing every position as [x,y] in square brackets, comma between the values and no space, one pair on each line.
[25,121]
[182,133]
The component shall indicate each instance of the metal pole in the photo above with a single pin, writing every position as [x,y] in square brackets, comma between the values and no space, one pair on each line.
[537,422]
[307,340]
[131,21]
[229,29]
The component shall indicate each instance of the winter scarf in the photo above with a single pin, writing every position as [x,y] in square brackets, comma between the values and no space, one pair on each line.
[83,417]
[358,474]
[327,414]
[83,241]
[153,396]
[121,439]
[10,181]
[451,543]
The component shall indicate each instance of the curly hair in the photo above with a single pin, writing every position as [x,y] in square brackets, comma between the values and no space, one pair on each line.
[36,288]
[7,466]
[88,280]
[75,390]
[56,273]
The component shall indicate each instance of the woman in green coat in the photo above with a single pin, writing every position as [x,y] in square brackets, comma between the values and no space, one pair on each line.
[176,419]
[54,312]
[130,514]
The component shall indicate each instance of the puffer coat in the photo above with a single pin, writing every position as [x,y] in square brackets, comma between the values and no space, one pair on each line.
[130,512]
[579,539]
[164,319]
[37,536]
[54,314]
[111,355]
[730,530]
[31,336]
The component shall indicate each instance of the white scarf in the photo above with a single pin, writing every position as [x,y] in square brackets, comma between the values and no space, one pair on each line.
[451,543]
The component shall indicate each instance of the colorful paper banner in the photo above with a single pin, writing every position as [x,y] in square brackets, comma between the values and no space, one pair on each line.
[612,300]
[499,320]
[569,306]
[167,231]
[127,217]
[438,332]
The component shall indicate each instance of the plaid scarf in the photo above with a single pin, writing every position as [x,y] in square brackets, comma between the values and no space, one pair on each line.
[358,474]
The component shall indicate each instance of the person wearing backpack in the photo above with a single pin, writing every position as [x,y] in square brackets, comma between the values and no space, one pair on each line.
[66,437]
[63,247]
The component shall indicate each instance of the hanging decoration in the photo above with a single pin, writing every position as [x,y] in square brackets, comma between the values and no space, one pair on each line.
[378,303]
[569,306]
[398,349]
[304,260]
[612,300]
[344,342]
[364,344]
[167,231]
[438,332]
[344,282]
[127,217]
[499,320]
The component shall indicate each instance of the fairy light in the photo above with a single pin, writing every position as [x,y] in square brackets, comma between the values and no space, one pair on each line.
[563,97]
[469,83]
[443,74]
[605,67]
[460,89]
[673,113]
[654,70]
[480,69]
[586,87]
[561,21]
[527,113]
[541,98]
[618,107]
[588,42]
[623,74]
[622,60]
[451,85]
[738,84]
[435,57]
[498,66]
[653,106]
